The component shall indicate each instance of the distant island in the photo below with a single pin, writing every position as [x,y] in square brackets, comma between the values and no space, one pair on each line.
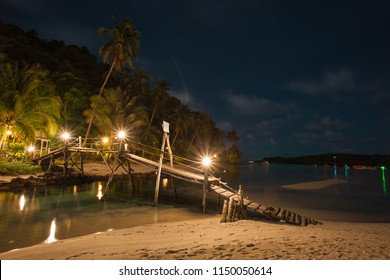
[331,159]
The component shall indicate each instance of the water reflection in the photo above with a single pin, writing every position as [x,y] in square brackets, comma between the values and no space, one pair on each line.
[346,170]
[52,235]
[100,191]
[384,180]
[165,183]
[22,202]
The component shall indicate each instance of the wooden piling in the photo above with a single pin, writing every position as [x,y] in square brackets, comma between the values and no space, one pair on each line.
[224,212]
[276,212]
[65,167]
[292,218]
[157,188]
[205,187]
[230,209]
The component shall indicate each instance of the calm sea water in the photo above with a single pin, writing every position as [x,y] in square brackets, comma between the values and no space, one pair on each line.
[27,218]
[362,197]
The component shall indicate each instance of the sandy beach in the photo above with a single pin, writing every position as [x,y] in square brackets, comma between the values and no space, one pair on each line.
[204,239]
[207,238]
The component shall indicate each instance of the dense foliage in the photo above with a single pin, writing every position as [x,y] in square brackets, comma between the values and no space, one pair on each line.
[48,85]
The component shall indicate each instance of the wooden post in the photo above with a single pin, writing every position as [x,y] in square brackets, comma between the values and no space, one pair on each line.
[205,187]
[40,151]
[241,210]
[224,211]
[81,164]
[166,135]
[235,211]
[65,168]
[230,209]
[157,189]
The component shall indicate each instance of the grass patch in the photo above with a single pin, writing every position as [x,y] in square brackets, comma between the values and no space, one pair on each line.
[18,168]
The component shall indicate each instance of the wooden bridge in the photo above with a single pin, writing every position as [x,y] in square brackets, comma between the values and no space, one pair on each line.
[74,156]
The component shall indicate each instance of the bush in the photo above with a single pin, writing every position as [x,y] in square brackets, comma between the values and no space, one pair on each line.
[17,168]
[16,151]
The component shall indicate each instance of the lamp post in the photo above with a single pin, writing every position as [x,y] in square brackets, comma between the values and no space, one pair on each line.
[206,162]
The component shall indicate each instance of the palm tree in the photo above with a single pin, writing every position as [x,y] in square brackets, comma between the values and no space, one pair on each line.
[199,119]
[233,137]
[122,49]
[27,104]
[182,121]
[233,153]
[139,83]
[160,96]
[116,110]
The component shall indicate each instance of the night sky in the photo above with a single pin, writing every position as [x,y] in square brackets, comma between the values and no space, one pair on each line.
[291,77]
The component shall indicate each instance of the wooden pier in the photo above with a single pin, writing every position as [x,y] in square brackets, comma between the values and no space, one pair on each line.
[74,156]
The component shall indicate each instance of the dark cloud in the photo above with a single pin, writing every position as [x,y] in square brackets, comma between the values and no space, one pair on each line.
[243,104]
[332,84]
[326,122]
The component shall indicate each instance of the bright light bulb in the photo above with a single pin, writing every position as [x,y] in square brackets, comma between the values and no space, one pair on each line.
[206,161]
[122,134]
[65,136]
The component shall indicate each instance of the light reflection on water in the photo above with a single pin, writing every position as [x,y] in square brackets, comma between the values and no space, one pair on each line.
[55,213]
[52,235]
[384,180]
[33,216]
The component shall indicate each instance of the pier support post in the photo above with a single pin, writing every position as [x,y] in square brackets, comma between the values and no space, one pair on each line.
[224,211]
[157,189]
[65,165]
[205,187]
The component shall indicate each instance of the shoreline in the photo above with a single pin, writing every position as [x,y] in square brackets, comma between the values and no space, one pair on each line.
[93,171]
[206,238]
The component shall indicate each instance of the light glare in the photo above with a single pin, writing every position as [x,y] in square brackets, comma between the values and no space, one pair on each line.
[206,161]
[65,136]
[121,134]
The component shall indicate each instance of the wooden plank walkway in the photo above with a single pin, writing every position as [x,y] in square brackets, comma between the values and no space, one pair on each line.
[272,213]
